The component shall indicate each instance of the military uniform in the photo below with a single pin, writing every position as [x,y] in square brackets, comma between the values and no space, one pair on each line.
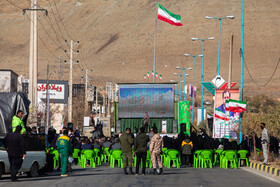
[65,149]
[18,122]
[155,150]
[126,145]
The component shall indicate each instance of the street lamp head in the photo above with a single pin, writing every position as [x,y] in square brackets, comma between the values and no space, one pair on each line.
[231,17]
[172,80]
[209,17]
[194,39]
[178,67]
[187,55]
[187,74]
[176,74]
[211,38]
[189,68]
[200,55]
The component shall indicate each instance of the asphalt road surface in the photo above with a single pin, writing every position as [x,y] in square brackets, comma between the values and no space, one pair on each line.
[113,177]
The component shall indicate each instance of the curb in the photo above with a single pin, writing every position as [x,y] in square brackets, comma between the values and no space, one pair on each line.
[267,169]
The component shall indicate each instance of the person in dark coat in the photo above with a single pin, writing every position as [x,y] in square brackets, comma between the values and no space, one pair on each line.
[140,147]
[15,146]
[186,148]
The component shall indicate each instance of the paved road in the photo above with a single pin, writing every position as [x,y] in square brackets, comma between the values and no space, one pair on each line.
[105,176]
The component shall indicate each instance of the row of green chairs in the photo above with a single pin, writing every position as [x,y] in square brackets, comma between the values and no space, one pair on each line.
[234,158]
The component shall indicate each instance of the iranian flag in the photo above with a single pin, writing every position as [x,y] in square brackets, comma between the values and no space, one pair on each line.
[145,77]
[148,74]
[235,106]
[169,17]
[221,115]
[160,77]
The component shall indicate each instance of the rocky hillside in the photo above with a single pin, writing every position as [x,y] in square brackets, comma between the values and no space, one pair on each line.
[117,39]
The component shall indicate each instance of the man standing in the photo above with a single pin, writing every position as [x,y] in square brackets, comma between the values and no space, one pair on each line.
[14,144]
[126,145]
[155,150]
[146,121]
[140,147]
[65,149]
[265,143]
[18,122]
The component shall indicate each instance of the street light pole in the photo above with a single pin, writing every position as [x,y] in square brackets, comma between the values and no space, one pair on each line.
[193,81]
[219,47]
[202,74]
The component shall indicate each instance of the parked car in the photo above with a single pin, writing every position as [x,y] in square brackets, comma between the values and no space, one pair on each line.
[35,158]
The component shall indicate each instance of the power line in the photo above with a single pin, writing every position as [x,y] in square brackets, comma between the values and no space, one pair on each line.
[60,47]
[14,4]
[61,20]
[56,21]
[57,37]
[254,79]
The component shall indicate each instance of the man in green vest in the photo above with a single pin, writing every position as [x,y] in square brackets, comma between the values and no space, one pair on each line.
[65,149]
[17,121]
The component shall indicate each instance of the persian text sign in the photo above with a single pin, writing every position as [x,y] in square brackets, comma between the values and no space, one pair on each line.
[58,91]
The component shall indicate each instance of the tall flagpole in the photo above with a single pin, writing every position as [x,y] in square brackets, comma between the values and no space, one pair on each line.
[155,45]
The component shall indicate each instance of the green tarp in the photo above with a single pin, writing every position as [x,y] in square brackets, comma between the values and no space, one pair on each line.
[184,115]
[137,123]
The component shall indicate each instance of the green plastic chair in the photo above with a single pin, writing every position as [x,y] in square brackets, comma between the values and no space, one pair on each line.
[55,157]
[106,154]
[88,155]
[217,154]
[243,156]
[196,158]
[174,156]
[76,155]
[116,156]
[230,156]
[149,160]
[206,159]
[97,156]
[163,155]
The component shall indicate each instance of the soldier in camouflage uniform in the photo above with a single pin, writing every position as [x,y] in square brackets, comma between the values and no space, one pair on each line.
[155,150]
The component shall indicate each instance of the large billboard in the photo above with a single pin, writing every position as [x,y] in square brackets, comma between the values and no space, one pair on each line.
[58,91]
[136,99]
[225,123]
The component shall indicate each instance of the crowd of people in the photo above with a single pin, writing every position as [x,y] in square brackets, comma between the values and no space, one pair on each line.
[67,140]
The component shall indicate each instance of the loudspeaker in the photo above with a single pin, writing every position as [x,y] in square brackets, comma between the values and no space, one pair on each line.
[175,126]
[183,127]
[118,126]
[70,126]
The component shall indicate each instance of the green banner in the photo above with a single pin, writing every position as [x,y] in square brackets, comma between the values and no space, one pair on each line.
[184,115]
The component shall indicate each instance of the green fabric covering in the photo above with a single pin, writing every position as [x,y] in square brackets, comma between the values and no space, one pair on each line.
[137,123]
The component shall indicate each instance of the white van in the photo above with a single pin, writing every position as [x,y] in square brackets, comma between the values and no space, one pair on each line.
[35,156]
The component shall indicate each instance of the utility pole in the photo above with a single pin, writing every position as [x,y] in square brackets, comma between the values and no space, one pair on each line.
[60,72]
[70,101]
[86,93]
[230,60]
[48,103]
[33,58]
